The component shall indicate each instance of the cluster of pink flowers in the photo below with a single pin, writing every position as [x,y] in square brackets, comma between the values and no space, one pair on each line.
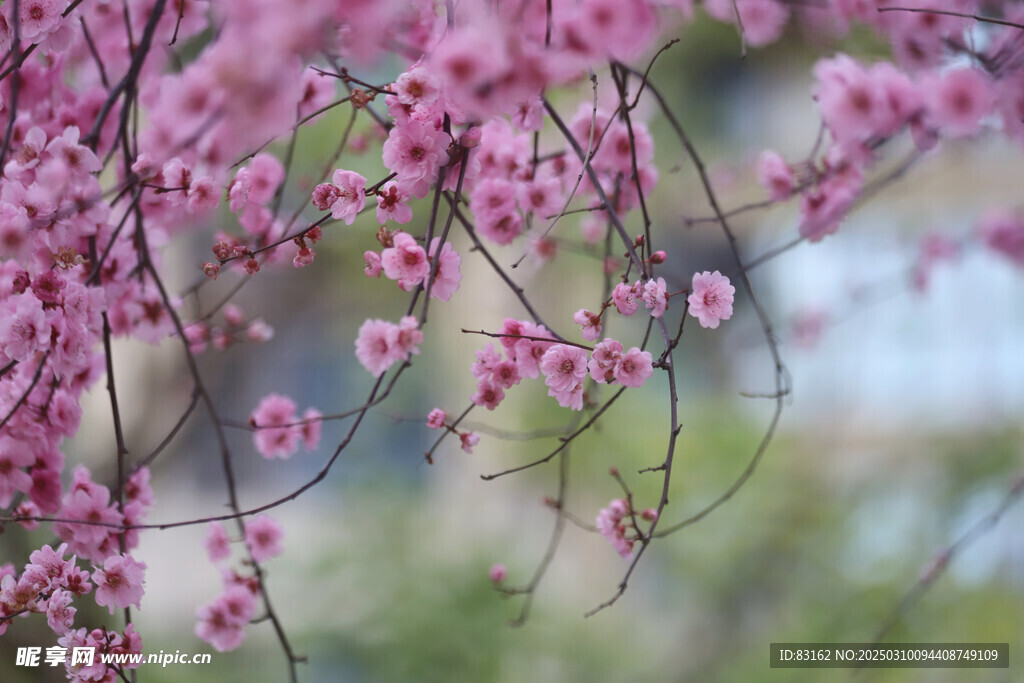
[653,293]
[565,367]
[404,260]
[278,431]
[48,585]
[236,328]
[345,197]
[88,501]
[105,644]
[221,622]
[381,343]
[615,523]
[438,419]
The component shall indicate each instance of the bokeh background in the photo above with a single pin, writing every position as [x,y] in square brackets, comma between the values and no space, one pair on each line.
[903,430]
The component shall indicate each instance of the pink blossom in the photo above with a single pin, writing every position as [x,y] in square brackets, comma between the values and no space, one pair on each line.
[775,175]
[497,573]
[177,178]
[220,622]
[405,337]
[634,368]
[448,275]
[48,287]
[311,428]
[469,440]
[275,433]
[529,352]
[610,525]
[488,394]
[590,323]
[59,613]
[711,298]
[351,196]
[762,20]
[216,542]
[417,86]
[436,418]
[137,489]
[958,100]
[624,298]
[853,104]
[13,457]
[501,229]
[604,361]
[24,329]
[416,152]
[203,195]
[611,27]
[564,366]
[38,18]
[371,264]
[88,503]
[655,296]
[119,583]
[265,175]
[823,207]
[391,204]
[304,256]
[264,538]
[324,195]
[373,347]
[405,261]
[487,360]
[506,374]
[26,157]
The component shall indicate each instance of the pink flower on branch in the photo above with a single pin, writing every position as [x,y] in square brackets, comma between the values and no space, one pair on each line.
[351,196]
[264,538]
[119,583]
[711,298]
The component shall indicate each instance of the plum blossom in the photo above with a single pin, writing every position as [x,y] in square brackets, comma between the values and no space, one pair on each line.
[391,204]
[380,344]
[565,368]
[276,435]
[624,298]
[264,537]
[216,542]
[417,86]
[590,323]
[775,175]
[416,152]
[958,99]
[448,275]
[221,621]
[351,196]
[711,298]
[488,394]
[469,440]
[634,368]
[655,296]
[436,418]
[119,583]
[405,261]
[610,525]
